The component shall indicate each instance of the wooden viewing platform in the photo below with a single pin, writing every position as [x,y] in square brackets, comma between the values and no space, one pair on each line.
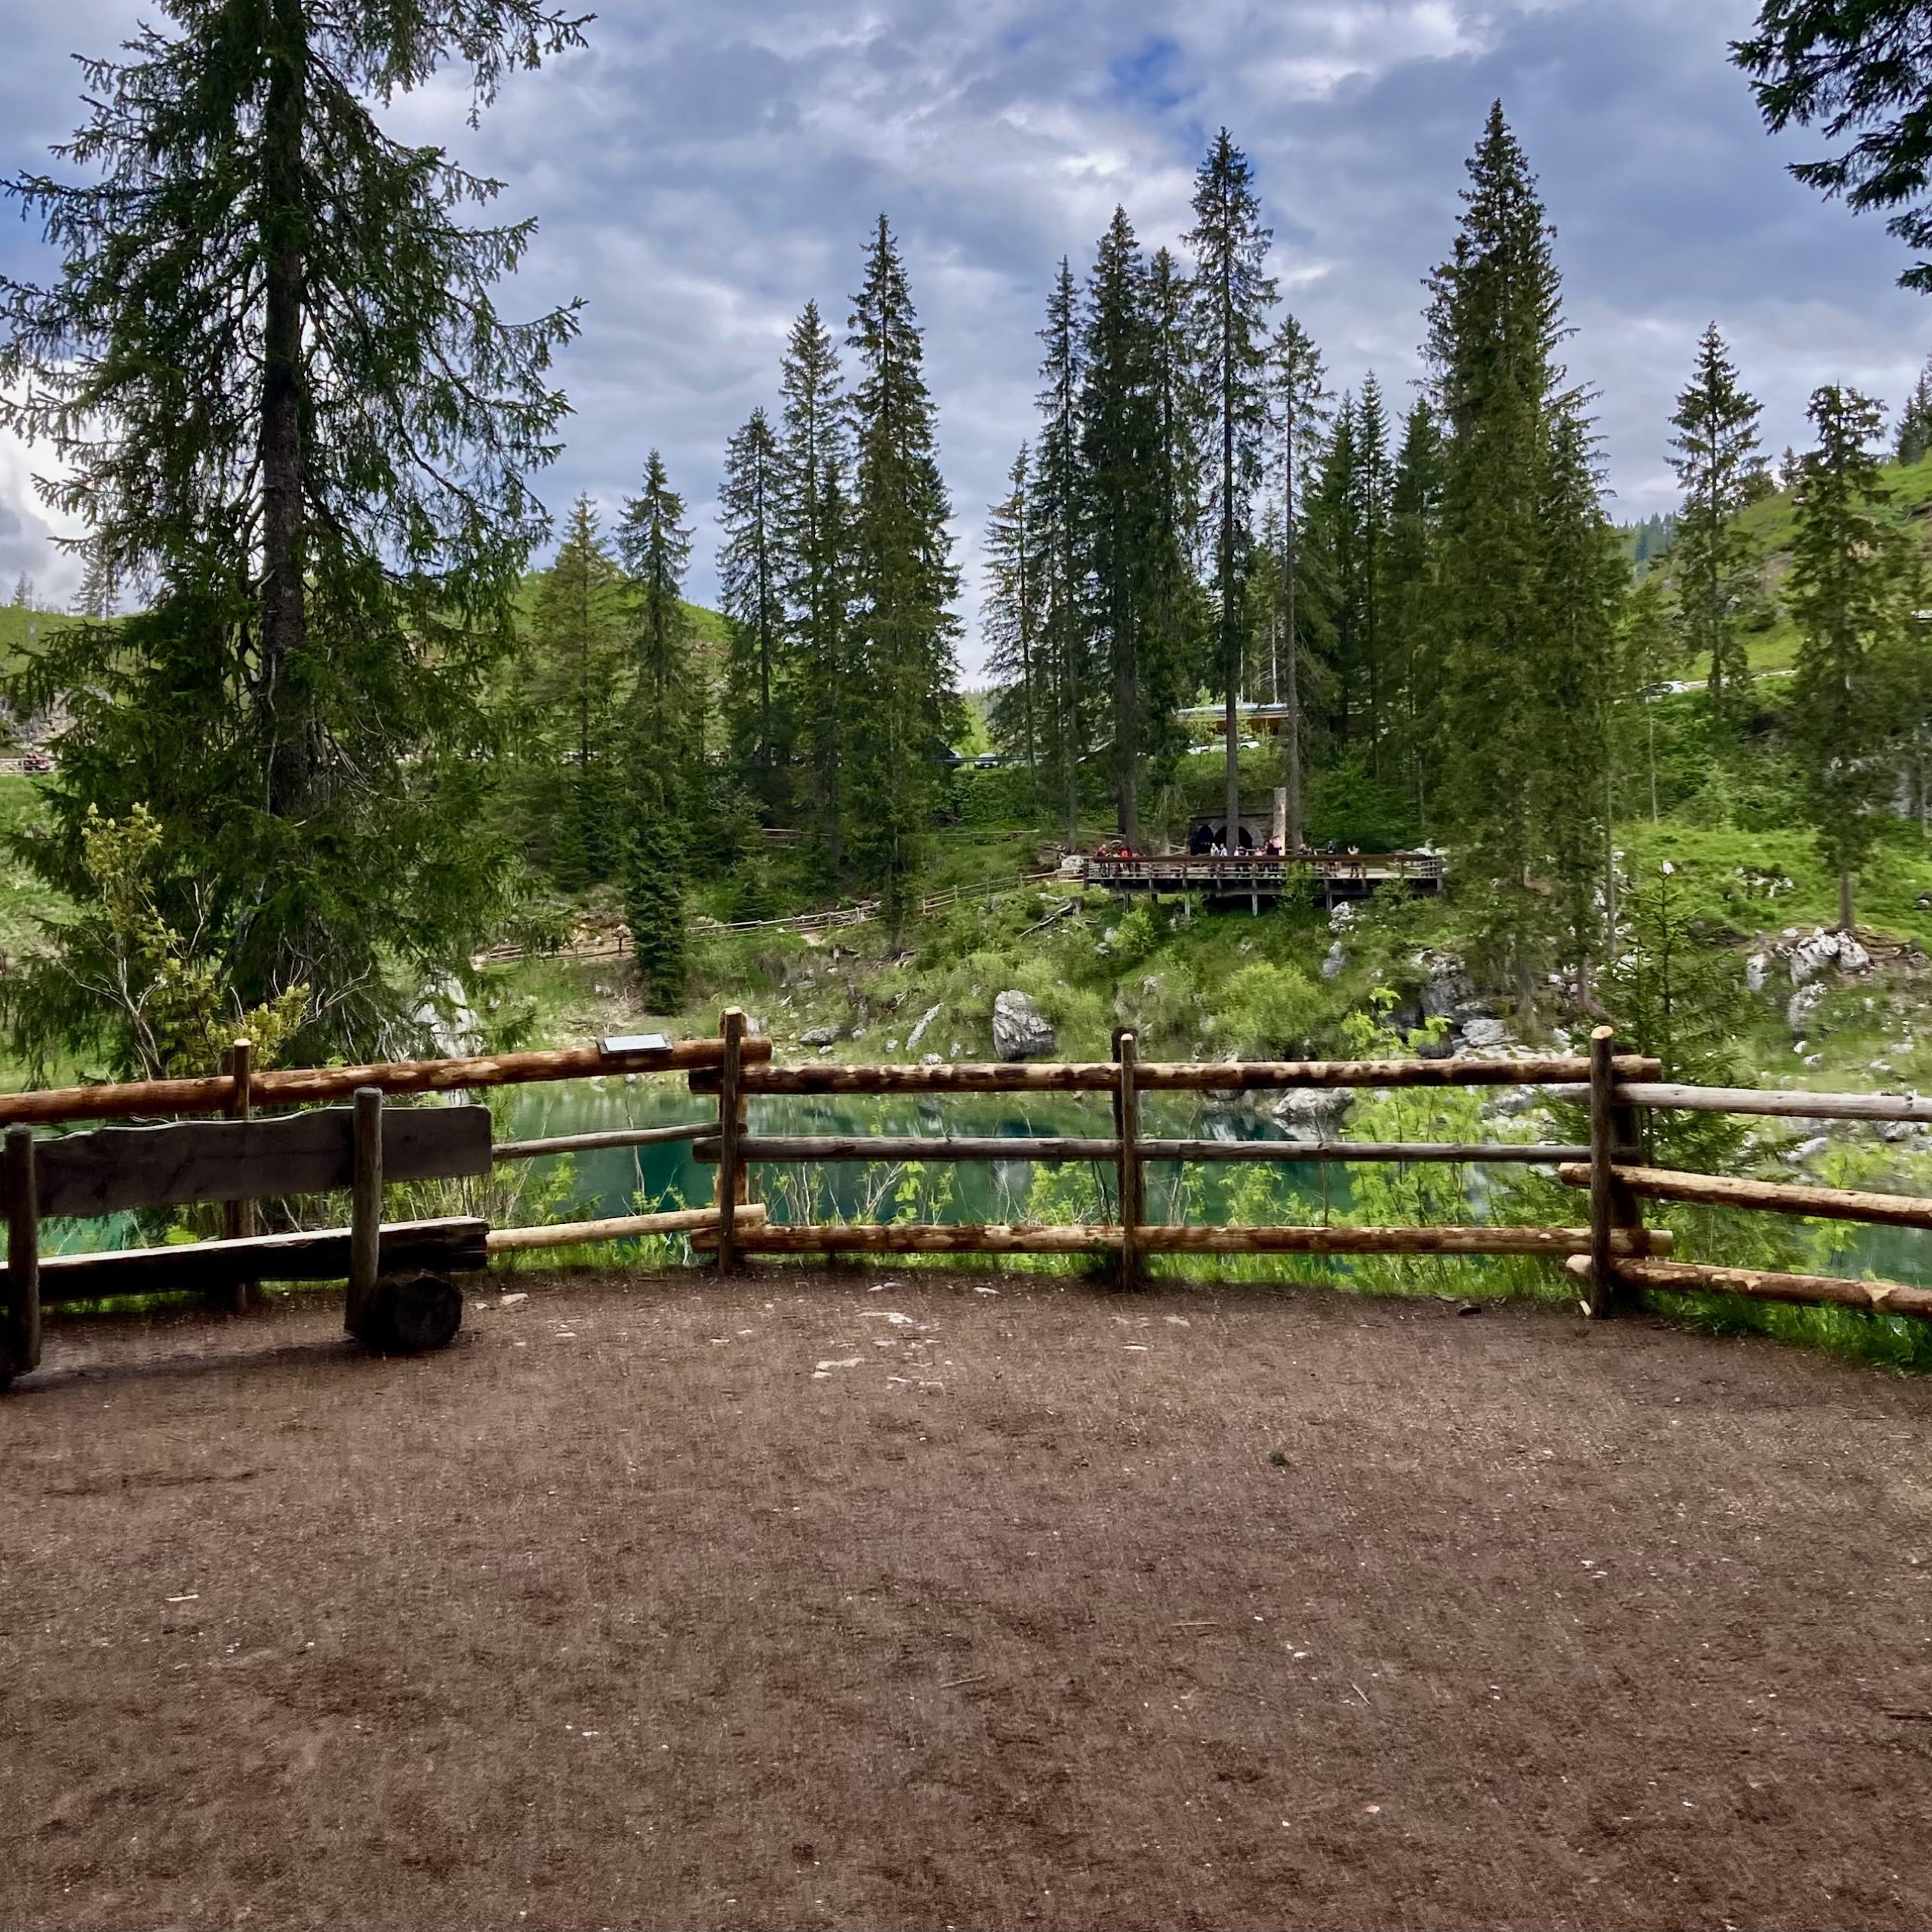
[1254,876]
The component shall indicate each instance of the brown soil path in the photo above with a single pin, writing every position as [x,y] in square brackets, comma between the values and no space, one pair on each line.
[787,1601]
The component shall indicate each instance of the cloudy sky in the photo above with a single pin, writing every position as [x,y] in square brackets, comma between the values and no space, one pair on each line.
[699,172]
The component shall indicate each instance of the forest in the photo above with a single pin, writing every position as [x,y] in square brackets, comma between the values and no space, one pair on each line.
[452,751]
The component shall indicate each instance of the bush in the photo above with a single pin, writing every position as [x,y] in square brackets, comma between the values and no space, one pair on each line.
[1268,1009]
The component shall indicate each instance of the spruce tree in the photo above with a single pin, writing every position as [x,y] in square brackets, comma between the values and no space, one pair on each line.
[273,371]
[1715,560]
[656,546]
[756,696]
[1371,512]
[1852,591]
[812,540]
[654,873]
[1011,621]
[1583,580]
[902,699]
[573,678]
[1913,443]
[1232,294]
[1300,406]
[1411,559]
[1119,443]
[1060,502]
[1494,322]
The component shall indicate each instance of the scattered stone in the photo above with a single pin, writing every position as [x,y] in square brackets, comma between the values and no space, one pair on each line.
[1337,959]
[1313,1113]
[1811,957]
[1484,1034]
[1803,1004]
[918,1032]
[821,1036]
[1020,1029]
[930,1059]
[1896,1130]
[1808,1150]
[1756,969]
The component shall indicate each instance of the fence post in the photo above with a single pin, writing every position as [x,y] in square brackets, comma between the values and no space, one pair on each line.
[23,1333]
[1613,1132]
[238,1221]
[1133,1176]
[730,1187]
[365,1211]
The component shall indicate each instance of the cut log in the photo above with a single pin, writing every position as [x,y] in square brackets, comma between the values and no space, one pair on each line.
[1829,1204]
[1761,1284]
[1784,1104]
[594,1143]
[776,1148]
[622,1227]
[132,1099]
[1367,1153]
[922,1237]
[440,1246]
[771,1147]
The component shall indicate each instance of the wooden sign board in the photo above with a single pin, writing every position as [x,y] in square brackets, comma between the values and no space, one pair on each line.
[114,1168]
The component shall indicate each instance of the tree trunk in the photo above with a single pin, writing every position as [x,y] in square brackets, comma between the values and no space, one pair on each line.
[1844,902]
[284,613]
[1293,731]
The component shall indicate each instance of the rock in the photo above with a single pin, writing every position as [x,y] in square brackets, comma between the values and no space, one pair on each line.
[1020,1030]
[918,1032]
[1755,970]
[1483,1033]
[1808,1150]
[1332,966]
[1802,1005]
[1896,1130]
[1313,1112]
[1448,986]
[1341,916]
[1811,957]
[820,1036]
[930,1059]
[445,1015]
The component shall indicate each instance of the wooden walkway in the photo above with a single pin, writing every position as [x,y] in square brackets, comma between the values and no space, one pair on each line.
[1255,876]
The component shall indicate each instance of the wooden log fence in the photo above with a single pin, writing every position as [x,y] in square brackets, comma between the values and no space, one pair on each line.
[1613,1255]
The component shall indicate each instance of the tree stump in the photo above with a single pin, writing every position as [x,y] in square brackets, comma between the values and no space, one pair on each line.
[410,1313]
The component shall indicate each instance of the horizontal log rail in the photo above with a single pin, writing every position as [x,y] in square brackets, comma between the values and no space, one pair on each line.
[1763,1284]
[620,1227]
[771,1149]
[1185,1076]
[593,1144]
[1832,1203]
[139,1098]
[1783,1103]
[985,1238]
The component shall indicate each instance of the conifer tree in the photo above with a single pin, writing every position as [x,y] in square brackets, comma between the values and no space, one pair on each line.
[1914,440]
[1716,561]
[1411,600]
[1369,499]
[656,546]
[1010,619]
[1232,294]
[1853,576]
[1059,499]
[1333,555]
[655,876]
[814,455]
[903,585]
[1494,322]
[1119,448]
[273,370]
[1300,406]
[756,693]
[99,595]
[1651,649]
[574,681]
[1583,582]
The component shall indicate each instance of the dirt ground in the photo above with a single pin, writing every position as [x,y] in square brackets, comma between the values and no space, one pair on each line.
[807,1600]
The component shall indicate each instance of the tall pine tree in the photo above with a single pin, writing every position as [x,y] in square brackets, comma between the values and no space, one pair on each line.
[1714,558]
[1299,406]
[1232,293]
[1011,621]
[813,454]
[756,695]
[1059,504]
[273,370]
[1852,591]
[1410,601]
[902,699]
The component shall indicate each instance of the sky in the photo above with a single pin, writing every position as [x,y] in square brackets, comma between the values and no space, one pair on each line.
[698,173]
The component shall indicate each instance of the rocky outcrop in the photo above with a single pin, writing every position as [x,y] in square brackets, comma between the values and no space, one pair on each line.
[1020,1029]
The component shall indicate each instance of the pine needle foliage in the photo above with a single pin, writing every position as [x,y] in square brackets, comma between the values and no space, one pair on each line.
[272,368]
